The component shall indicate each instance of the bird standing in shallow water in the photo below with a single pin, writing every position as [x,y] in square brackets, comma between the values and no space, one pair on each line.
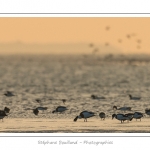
[121,117]
[122,108]
[102,115]
[134,98]
[2,114]
[64,101]
[85,115]
[97,97]
[147,111]
[138,115]
[60,109]
[9,94]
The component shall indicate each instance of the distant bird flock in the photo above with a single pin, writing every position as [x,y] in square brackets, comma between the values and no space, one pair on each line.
[86,114]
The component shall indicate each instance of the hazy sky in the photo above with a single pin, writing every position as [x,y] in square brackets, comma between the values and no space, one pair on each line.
[128,34]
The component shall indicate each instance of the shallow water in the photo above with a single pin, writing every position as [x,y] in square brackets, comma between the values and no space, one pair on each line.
[74,78]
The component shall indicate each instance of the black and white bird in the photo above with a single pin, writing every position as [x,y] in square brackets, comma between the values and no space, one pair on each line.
[121,117]
[138,115]
[134,98]
[97,97]
[147,111]
[102,115]
[9,94]
[84,115]
[2,114]
[60,109]
[122,108]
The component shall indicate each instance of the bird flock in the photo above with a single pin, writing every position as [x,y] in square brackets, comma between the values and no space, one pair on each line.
[86,114]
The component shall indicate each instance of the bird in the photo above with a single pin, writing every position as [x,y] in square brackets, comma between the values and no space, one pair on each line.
[122,108]
[102,115]
[84,114]
[130,115]
[134,98]
[9,94]
[64,101]
[147,111]
[35,111]
[6,109]
[42,108]
[60,109]
[2,114]
[97,97]
[107,28]
[138,115]
[38,100]
[121,117]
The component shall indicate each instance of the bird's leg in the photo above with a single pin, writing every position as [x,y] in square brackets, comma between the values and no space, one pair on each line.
[86,119]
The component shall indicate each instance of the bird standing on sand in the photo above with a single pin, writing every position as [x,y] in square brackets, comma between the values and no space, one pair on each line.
[147,111]
[138,115]
[60,109]
[121,117]
[9,94]
[122,108]
[6,109]
[35,111]
[38,100]
[97,97]
[64,101]
[102,115]
[134,98]
[85,115]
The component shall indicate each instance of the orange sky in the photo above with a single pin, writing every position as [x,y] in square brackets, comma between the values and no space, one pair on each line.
[79,30]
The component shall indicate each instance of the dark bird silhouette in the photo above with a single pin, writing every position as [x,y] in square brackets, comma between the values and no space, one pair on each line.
[128,36]
[60,109]
[38,100]
[147,111]
[6,109]
[64,101]
[102,115]
[91,45]
[9,94]
[139,41]
[106,44]
[134,98]
[121,117]
[85,115]
[138,115]
[97,97]
[120,40]
[2,114]
[107,28]
[35,111]
[122,108]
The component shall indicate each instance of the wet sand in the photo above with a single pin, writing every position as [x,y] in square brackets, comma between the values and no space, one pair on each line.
[93,125]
